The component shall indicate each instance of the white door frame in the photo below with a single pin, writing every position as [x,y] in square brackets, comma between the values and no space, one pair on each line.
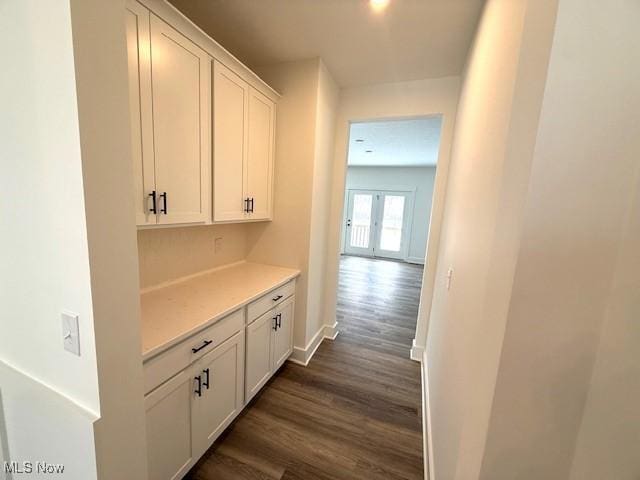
[376,215]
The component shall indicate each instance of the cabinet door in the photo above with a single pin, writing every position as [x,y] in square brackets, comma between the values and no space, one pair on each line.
[181,86]
[222,376]
[283,336]
[137,24]
[259,174]
[259,353]
[168,417]
[230,111]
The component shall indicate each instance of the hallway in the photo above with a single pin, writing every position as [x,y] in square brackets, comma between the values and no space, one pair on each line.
[354,411]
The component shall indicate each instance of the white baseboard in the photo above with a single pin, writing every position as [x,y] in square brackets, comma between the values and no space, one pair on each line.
[427,438]
[418,260]
[417,351]
[302,356]
[331,331]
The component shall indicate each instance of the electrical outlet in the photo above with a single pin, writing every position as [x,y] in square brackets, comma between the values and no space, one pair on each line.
[71,332]
[217,245]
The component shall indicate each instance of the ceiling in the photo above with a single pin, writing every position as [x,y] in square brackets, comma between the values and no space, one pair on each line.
[395,143]
[409,40]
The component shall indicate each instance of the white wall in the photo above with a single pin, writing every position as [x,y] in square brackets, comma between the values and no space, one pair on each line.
[100,56]
[544,167]
[492,152]
[572,233]
[326,108]
[420,180]
[62,435]
[45,261]
[304,134]
[609,440]
[68,228]
[393,100]
[166,254]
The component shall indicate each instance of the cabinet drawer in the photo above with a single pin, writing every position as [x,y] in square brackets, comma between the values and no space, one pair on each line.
[256,308]
[163,366]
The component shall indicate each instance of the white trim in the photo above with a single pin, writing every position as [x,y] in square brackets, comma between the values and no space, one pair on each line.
[331,331]
[384,188]
[416,260]
[427,437]
[417,351]
[302,356]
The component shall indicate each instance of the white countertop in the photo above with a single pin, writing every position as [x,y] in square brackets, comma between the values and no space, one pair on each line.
[176,311]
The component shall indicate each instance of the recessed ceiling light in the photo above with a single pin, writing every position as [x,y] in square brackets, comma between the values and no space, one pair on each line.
[378,5]
[359,140]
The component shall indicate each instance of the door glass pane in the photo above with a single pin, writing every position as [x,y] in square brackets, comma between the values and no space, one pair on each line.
[392,219]
[361,220]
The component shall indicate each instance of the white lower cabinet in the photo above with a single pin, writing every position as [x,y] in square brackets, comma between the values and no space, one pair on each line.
[187,413]
[169,418]
[258,354]
[283,335]
[269,344]
[219,379]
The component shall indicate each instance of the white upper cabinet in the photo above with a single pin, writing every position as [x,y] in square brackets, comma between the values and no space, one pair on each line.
[230,107]
[259,176]
[181,88]
[170,104]
[243,138]
[138,43]
[202,124]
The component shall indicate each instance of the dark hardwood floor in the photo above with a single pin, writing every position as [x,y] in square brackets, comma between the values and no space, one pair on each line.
[354,411]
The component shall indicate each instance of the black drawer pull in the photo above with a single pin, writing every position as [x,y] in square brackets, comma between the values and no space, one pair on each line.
[206,382]
[205,344]
[275,299]
[198,390]
[163,196]
[153,208]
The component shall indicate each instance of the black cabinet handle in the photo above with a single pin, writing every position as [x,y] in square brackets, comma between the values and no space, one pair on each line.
[275,299]
[246,205]
[198,390]
[251,204]
[153,202]
[206,382]
[279,320]
[275,323]
[206,343]
[163,196]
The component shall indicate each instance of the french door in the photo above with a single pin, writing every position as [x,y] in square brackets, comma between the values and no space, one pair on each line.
[377,223]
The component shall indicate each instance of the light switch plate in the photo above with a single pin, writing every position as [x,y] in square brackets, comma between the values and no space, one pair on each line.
[71,332]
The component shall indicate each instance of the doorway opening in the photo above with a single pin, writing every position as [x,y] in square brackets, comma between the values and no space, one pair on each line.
[388,195]
[389,187]
[391,171]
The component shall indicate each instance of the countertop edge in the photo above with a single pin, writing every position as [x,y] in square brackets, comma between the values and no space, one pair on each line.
[157,350]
